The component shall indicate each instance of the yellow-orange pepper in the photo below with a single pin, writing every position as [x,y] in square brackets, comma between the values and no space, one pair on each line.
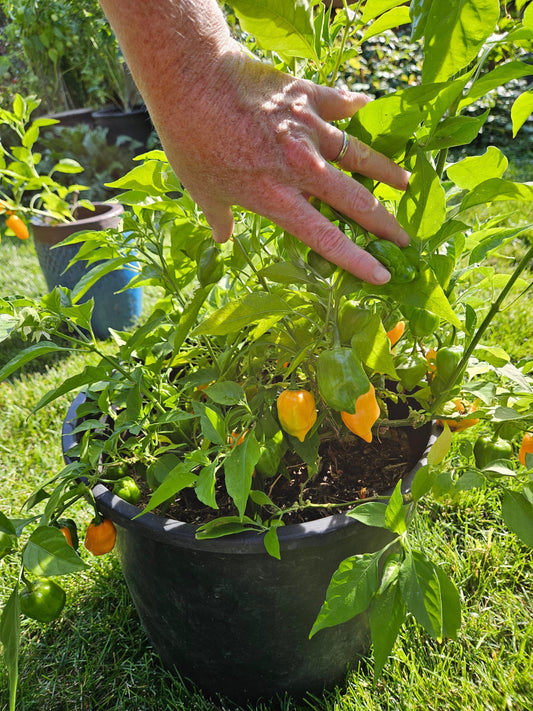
[460,425]
[17,225]
[296,412]
[526,447]
[366,413]
[396,333]
[100,537]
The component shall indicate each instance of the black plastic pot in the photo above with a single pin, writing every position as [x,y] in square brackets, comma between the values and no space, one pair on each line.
[135,124]
[113,308]
[228,616]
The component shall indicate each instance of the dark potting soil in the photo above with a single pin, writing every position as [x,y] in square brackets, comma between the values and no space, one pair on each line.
[350,470]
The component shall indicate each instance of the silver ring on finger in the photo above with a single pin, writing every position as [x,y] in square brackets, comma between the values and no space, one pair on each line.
[342,152]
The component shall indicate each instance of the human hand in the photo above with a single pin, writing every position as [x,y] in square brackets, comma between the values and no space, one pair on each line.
[262,140]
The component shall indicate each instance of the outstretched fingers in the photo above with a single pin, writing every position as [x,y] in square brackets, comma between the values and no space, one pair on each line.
[311,227]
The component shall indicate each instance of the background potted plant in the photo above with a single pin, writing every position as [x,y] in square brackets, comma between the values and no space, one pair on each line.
[55,211]
[192,397]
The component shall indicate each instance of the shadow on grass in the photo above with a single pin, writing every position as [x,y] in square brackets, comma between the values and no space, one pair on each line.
[97,656]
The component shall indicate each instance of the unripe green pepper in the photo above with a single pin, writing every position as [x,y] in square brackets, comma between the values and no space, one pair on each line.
[320,264]
[421,322]
[393,259]
[410,370]
[446,362]
[488,450]
[128,490]
[42,600]
[341,378]
[210,266]
[352,319]
[271,455]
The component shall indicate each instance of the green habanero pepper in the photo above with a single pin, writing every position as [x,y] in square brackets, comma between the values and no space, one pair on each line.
[341,378]
[271,455]
[320,264]
[411,370]
[421,322]
[446,362]
[128,490]
[393,259]
[210,266]
[488,450]
[42,600]
[352,319]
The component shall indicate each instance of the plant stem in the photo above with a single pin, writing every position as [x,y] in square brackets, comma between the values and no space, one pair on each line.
[463,363]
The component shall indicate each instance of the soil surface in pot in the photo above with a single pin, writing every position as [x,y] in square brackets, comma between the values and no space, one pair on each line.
[350,470]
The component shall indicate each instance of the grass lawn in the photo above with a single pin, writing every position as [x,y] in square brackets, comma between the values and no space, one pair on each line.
[96,657]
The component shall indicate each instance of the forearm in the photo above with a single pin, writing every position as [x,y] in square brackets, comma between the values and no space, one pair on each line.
[169,45]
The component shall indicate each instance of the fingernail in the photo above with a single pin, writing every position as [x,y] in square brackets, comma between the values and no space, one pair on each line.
[403,239]
[381,275]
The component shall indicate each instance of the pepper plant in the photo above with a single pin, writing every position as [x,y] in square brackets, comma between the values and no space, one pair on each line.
[258,351]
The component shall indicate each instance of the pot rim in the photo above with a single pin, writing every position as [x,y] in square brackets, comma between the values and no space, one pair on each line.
[102,210]
[166,530]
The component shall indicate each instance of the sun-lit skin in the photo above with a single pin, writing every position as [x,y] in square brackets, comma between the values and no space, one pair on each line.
[240,133]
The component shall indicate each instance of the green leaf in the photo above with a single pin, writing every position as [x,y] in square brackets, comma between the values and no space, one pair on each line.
[372,346]
[430,596]
[350,591]
[388,123]
[271,542]
[177,479]
[419,11]
[387,614]
[493,79]
[47,553]
[472,171]
[10,638]
[375,8]
[148,178]
[456,131]
[211,422]
[6,526]
[279,26]
[205,485]
[236,315]
[517,511]
[28,354]
[422,208]
[90,374]
[68,166]
[394,18]
[423,482]
[521,110]
[238,470]
[454,33]
[424,291]
[440,448]
[371,513]
[496,189]
[226,526]
[226,393]
[95,273]
[286,273]
[527,20]
[7,325]
[395,511]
